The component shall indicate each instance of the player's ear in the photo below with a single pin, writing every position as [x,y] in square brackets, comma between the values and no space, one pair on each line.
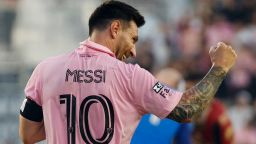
[115,28]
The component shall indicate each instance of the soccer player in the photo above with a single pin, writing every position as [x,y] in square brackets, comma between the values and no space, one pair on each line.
[91,96]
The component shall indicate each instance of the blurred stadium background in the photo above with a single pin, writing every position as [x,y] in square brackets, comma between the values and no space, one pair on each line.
[177,34]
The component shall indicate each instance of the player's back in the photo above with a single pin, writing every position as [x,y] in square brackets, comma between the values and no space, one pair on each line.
[86,98]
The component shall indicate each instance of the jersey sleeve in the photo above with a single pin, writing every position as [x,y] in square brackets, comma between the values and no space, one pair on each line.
[151,96]
[33,89]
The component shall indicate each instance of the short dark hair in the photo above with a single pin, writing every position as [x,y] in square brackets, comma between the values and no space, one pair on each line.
[114,10]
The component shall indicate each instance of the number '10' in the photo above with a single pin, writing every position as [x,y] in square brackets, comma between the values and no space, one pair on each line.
[70,101]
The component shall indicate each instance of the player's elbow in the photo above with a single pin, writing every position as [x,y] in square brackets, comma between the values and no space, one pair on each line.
[26,141]
[179,119]
[25,138]
[185,120]
[181,115]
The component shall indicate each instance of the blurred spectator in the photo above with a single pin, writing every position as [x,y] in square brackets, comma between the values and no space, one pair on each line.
[242,77]
[152,130]
[144,56]
[236,11]
[152,34]
[241,113]
[213,126]
[247,135]
[190,37]
[7,19]
[219,30]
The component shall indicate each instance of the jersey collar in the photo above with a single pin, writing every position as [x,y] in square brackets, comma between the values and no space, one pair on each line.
[95,46]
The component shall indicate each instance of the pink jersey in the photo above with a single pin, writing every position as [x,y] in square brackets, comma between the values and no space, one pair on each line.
[88,96]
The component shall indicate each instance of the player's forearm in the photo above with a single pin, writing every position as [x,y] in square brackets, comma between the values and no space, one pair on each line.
[197,98]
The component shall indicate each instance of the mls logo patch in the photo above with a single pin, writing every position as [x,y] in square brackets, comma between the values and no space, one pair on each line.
[157,87]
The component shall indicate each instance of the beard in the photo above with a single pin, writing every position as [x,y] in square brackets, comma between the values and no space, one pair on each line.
[122,55]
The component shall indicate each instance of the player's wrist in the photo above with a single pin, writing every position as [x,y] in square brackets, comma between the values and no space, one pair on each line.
[225,69]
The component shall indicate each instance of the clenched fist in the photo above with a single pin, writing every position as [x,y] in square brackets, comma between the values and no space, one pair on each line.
[223,56]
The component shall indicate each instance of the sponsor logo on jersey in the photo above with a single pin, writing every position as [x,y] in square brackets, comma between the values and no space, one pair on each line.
[162,90]
[157,87]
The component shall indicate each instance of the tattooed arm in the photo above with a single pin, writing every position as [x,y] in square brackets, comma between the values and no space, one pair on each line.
[197,98]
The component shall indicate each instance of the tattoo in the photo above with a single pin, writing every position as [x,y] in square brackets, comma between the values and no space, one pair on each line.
[197,98]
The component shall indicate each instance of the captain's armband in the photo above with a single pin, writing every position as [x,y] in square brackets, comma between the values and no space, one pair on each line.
[31,110]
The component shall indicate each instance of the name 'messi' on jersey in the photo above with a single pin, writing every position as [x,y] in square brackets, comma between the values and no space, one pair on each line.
[86,76]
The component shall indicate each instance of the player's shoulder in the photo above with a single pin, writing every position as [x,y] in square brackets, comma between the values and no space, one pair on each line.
[128,68]
[55,59]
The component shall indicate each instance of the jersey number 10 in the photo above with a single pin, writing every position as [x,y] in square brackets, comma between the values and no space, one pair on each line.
[70,101]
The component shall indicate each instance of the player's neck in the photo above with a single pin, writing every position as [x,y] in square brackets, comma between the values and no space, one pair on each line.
[103,39]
